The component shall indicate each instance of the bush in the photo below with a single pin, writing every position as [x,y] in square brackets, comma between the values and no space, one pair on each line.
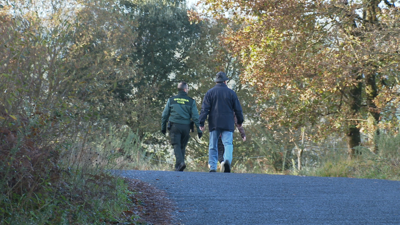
[38,187]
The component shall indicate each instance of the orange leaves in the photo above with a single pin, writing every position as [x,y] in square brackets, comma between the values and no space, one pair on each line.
[194,16]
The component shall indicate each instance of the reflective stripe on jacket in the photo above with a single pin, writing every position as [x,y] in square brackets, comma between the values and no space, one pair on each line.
[180,109]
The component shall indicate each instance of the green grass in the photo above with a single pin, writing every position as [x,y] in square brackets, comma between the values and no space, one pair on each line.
[358,168]
[385,164]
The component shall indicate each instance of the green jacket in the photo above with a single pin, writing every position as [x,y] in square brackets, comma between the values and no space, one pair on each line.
[180,109]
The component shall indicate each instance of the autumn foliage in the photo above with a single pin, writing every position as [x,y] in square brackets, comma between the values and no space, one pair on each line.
[331,65]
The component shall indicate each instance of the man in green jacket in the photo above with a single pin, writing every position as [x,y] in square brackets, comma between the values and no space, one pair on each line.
[180,111]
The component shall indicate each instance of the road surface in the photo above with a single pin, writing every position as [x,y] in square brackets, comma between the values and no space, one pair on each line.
[240,198]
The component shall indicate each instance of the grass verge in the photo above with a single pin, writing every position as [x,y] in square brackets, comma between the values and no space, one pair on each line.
[68,183]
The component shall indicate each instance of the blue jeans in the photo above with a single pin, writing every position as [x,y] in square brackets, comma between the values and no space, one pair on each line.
[227,138]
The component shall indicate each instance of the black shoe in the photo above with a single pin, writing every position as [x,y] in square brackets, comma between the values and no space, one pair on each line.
[181,167]
[226,167]
[213,171]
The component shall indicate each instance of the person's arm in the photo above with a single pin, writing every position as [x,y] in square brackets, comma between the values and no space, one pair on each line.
[240,128]
[195,117]
[165,117]
[237,108]
[205,110]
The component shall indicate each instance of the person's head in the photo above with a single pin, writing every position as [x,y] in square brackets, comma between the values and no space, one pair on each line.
[183,86]
[221,77]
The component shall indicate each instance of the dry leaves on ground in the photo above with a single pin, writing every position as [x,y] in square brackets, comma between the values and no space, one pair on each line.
[151,204]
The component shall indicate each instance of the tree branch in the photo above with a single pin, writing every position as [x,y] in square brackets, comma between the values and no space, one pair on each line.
[388,3]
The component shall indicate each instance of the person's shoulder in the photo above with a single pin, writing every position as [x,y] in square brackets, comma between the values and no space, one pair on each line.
[190,98]
[187,97]
[232,91]
[210,90]
[172,97]
[218,87]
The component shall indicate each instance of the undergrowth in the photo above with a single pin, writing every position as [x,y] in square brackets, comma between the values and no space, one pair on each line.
[62,182]
[384,164]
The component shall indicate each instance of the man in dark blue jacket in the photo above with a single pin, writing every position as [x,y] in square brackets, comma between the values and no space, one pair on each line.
[219,104]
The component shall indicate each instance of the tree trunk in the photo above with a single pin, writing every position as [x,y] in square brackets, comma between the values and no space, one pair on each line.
[353,133]
[353,140]
[301,150]
[371,91]
[299,155]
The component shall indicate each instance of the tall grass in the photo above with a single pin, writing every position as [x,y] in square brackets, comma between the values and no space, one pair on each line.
[66,182]
[326,159]
[385,164]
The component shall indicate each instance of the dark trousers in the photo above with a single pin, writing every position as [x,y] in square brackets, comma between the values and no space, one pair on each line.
[179,135]
[221,150]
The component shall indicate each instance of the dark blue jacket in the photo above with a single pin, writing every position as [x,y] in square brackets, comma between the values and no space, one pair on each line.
[219,103]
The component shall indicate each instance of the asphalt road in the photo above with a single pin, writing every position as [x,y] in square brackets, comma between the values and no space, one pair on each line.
[223,198]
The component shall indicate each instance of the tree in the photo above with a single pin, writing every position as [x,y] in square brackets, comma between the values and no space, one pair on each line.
[159,52]
[331,64]
[97,58]
[63,64]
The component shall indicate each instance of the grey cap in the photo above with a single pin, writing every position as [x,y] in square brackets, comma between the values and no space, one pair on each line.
[221,77]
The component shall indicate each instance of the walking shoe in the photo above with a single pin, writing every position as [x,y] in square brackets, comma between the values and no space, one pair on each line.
[226,167]
[181,167]
[213,171]
[222,166]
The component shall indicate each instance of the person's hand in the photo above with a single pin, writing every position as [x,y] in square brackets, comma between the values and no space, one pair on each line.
[163,131]
[200,135]
[244,138]
[202,128]
[239,125]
